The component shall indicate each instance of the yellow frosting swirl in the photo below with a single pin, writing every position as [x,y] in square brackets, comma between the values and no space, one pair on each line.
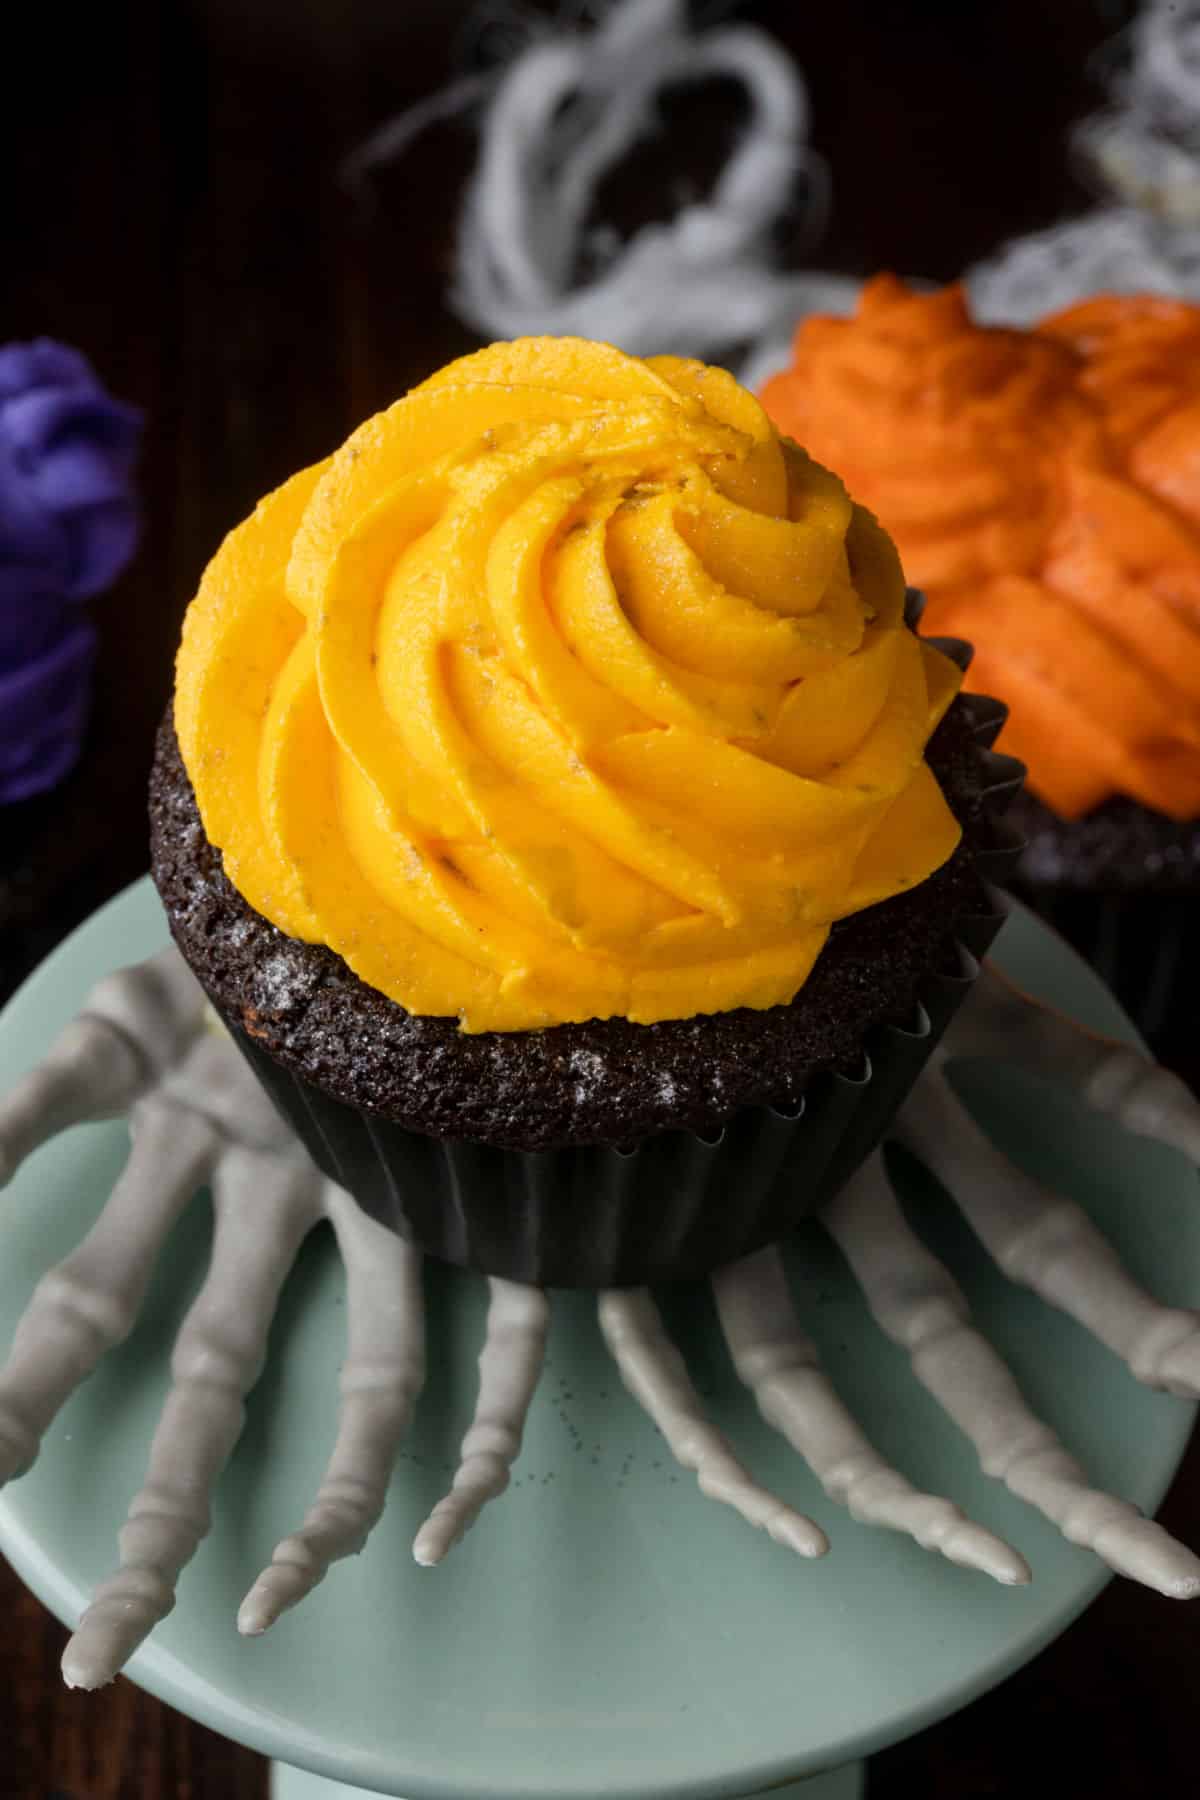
[565,689]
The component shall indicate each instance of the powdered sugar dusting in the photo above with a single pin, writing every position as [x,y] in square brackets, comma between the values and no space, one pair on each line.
[280,983]
[588,1068]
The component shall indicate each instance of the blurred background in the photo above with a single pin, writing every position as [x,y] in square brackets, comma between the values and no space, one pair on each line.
[174,209]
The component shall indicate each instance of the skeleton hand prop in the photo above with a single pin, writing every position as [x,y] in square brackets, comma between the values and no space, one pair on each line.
[197,1115]
[1035,1237]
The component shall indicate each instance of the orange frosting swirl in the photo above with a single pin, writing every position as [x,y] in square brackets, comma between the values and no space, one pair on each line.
[565,689]
[1043,487]
[1141,367]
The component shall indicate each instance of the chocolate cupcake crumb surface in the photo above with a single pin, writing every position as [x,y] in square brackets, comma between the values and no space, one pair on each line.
[1119,848]
[605,1081]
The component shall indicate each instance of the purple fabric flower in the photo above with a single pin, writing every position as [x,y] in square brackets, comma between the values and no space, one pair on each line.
[68,507]
[69,523]
[44,712]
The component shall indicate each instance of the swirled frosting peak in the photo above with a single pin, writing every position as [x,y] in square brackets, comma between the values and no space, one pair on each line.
[565,689]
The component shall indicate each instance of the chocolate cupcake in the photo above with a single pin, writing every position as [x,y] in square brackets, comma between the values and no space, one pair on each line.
[568,824]
[1043,488]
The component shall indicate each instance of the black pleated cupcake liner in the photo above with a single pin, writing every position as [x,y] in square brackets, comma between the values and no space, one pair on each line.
[1145,947]
[669,1208]
[673,1206]
[1134,919]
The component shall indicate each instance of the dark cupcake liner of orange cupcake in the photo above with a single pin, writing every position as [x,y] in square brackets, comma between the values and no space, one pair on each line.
[1122,885]
[603,1153]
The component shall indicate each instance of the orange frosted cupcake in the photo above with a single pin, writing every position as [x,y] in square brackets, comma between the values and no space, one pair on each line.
[1043,487]
[563,814]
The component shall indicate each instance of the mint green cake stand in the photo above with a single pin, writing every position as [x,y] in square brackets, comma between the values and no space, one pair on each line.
[604,1633]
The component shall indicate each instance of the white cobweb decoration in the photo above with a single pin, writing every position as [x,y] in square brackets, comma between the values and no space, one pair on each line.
[1143,152]
[578,98]
[574,97]
[1145,148]
[1115,250]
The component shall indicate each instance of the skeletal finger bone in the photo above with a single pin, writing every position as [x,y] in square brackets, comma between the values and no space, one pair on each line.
[132,1026]
[510,1365]
[211,1078]
[779,1364]
[1048,1243]
[655,1374]
[1142,1096]
[917,1304]
[1000,1020]
[157,1005]
[265,1206]
[89,1302]
[91,1072]
[382,1376]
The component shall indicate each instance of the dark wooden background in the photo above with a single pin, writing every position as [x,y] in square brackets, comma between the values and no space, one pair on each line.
[173,208]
